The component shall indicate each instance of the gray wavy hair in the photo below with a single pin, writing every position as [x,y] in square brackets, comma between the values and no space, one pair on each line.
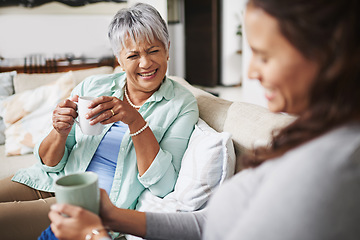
[139,22]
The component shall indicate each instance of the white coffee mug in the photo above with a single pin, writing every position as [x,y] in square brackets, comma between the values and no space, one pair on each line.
[84,124]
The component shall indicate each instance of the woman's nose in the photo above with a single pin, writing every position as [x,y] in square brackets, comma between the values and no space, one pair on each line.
[253,72]
[145,62]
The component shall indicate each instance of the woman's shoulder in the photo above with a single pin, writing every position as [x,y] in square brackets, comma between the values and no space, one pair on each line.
[322,159]
[101,83]
[175,97]
[104,79]
[343,140]
[178,88]
[326,157]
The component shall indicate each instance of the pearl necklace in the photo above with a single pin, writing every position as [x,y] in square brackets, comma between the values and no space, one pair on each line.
[129,101]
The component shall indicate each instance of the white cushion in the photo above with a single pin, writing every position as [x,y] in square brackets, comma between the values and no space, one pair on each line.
[6,89]
[207,162]
[27,115]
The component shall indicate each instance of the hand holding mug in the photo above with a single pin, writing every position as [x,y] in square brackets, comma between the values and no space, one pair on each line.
[73,222]
[80,189]
[64,115]
[70,218]
[109,109]
[84,122]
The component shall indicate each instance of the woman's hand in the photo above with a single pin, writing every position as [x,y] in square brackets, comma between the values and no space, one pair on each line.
[79,222]
[107,209]
[121,220]
[52,148]
[64,115]
[112,109]
[76,225]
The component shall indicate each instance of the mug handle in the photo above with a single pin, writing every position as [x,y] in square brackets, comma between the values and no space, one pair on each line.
[76,121]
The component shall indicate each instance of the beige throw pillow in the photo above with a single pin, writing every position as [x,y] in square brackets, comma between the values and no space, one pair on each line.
[28,115]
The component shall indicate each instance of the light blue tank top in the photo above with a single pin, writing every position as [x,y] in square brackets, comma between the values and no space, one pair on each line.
[105,158]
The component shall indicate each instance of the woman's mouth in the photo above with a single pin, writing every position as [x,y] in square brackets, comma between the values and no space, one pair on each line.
[269,94]
[148,74]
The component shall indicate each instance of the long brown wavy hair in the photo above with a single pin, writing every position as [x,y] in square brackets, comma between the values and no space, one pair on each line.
[327,31]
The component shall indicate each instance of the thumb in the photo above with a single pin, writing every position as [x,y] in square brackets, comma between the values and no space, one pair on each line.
[74,98]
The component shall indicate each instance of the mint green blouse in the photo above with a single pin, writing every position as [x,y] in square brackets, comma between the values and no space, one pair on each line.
[171,112]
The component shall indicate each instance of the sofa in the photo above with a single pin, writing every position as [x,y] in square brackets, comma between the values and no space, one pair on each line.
[240,126]
[248,124]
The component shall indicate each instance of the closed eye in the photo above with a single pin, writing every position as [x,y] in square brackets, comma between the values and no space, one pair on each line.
[131,56]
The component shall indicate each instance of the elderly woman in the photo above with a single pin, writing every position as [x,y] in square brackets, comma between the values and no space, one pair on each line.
[305,185]
[148,121]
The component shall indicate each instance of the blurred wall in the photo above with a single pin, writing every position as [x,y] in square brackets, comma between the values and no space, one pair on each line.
[55,28]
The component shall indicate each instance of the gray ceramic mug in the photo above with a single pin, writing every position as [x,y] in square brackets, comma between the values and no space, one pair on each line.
[80,189]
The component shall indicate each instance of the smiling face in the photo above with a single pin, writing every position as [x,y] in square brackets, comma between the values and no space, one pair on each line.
[145,65]
[282,70]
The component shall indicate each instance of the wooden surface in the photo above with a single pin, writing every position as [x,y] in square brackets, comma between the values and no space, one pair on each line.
[39,65]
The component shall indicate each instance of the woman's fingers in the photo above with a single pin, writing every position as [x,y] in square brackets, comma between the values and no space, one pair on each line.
[68,103]
[64,111]
[106,109]
[64,115]
[101,100]
[72,222]
[74,98]
[67,209]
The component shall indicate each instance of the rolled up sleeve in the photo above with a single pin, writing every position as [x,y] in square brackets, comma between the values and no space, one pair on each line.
[58,167]
[161,176]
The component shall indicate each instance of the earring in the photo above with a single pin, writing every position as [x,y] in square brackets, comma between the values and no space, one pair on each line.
[168,59]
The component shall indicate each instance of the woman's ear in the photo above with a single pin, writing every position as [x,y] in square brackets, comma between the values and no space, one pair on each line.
[168,52]
[118,60]
[120,64]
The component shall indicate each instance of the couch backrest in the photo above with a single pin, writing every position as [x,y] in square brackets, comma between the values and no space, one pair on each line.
[250,125]
[26,81]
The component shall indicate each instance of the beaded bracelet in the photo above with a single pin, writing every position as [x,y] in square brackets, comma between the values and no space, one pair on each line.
[96,231]
[140,131]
